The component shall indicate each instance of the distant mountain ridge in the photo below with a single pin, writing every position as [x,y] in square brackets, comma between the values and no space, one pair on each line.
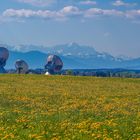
[74,56]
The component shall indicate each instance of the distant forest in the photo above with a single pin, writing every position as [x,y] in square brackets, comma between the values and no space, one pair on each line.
[124,73]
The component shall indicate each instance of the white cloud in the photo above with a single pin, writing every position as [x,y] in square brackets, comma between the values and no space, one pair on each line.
[45,14]
[41,3]
[93,12]
[101,12]
[122,3]
[63,14]
[69,12]
[24,13]
[88,2]
[133,14]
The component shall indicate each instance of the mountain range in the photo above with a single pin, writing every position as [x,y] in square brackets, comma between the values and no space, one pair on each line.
[74,56]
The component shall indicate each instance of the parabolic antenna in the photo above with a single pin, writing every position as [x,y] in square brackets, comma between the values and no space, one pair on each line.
[21,66]
[54,64]
[4,54]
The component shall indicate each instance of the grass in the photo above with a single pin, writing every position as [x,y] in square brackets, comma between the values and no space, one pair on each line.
[38,107]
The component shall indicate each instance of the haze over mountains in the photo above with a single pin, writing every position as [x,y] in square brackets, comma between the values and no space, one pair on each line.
[73,55]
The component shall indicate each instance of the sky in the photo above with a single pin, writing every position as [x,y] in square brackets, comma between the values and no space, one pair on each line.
[111,26]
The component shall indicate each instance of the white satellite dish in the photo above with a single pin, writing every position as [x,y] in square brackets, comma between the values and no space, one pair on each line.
[21,66]
[54,64]
[4,54]
[47,73]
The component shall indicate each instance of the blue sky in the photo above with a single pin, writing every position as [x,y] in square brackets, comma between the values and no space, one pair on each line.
[111,26]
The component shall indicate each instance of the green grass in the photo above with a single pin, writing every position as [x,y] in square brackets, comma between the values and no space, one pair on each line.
[64,107]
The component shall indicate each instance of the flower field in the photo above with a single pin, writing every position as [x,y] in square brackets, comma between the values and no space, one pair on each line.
[35,107]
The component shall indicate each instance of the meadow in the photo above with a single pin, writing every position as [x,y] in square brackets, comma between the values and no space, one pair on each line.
[38,107]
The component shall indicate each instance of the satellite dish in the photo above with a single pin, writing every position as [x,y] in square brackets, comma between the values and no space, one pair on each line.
[47,73]
[21,66]
[4,54]
[54,64]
